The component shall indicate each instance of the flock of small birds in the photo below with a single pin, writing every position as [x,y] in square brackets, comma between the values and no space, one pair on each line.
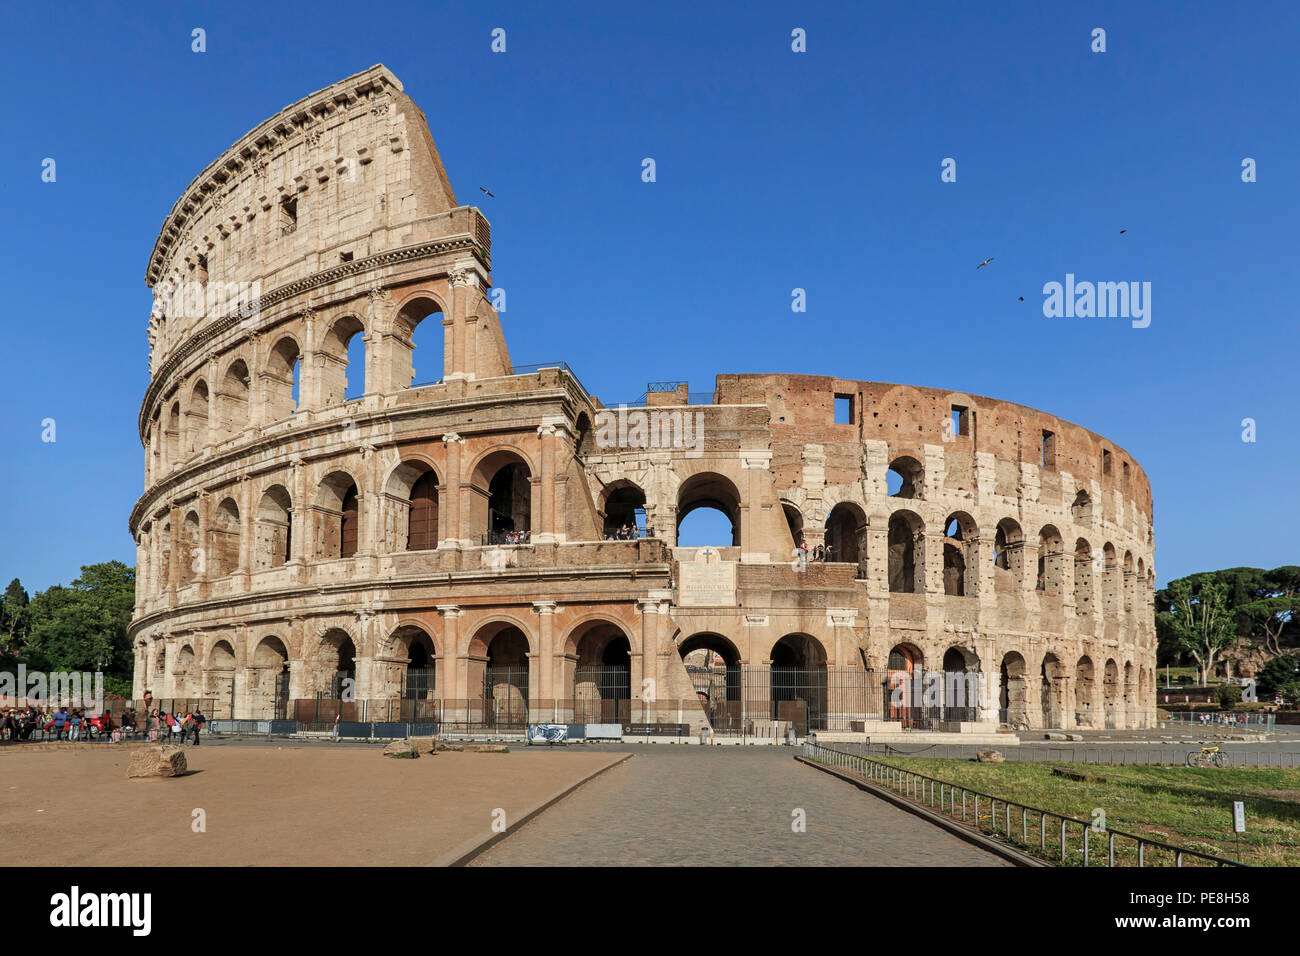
[978,267]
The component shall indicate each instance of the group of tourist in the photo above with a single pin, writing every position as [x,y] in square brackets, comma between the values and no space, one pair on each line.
[516,537]
[627,533]
[822,552]
[73,723]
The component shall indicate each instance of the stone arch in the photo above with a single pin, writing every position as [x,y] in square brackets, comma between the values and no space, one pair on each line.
[224,535]
[172,436]
[1013,698]
[185,673]
[196,418]
[501,651]
[281,378]
[1084,687]
[599,670]
[412,497]
[1081,508]
[910,478]
[1111,579]
[268,679]
[793,521]
[620,501]
[342,371]
[714,666]
[1082,578]
[1126,584]
[337,514]
[411,655]
[273,529]
[193,559]
[962,684]
[846,534]
[1052,696]
[233,400]
[1051,561]
[1111,694]
[798,690]
[418,342]
[906,553]
[960,555]
[331,667]
[713,491]
[501,505]
[904,683]
[1008,555]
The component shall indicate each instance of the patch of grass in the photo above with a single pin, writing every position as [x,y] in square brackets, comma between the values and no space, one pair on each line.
[1191,808]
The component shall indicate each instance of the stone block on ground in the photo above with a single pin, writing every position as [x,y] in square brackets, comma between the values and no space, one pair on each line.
[165,761]
[488,748]
[425,745]
[403,749]
[990,756]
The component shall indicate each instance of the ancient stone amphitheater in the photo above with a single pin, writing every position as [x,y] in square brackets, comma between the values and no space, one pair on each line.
[335,522]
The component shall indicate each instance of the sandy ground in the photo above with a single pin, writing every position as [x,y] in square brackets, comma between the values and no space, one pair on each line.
[266,806]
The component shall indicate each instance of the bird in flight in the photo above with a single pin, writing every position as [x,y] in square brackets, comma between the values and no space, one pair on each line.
[486,192]
[1122,231]
[984,263]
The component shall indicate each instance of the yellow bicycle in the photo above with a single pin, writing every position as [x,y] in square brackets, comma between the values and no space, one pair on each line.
[1207,757]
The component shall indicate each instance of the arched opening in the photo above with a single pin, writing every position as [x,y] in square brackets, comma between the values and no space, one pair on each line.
[1110,584]
[268,680]
[906,553]
[1127,583]
[185,674]
[960,555]
[343,362]
[798,682]
[1052,691]
[906,478]
[602,674]
[1083,690]
[505,679]
[1129,714]
[164,557]
[192,558]
[272,529]
[624,512]
[846,536]
[793,521]
[422,520]
[338,516]
[219,679]
[334,668]
[1051,561]
[1110,694]
[224,535]
[1008,555]
[172,436]
[282,378]
[717,499]
[196,419]
[1013,696]
[962,690]
[232,400]
[1081,509]
[418,345]
[416,674]
[1082,578]
[904,682]
[714,666]
[503,502]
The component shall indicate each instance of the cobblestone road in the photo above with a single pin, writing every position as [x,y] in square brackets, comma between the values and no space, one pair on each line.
[729,806]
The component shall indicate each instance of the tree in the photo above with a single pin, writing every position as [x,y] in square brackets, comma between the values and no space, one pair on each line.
[1201,622]
[14,619]
[83,627]
[1276,676]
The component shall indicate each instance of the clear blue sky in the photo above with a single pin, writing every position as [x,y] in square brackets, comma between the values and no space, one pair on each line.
[775,170]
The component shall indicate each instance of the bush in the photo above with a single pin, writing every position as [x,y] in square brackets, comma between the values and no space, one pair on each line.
[1229,695]
[1280,671]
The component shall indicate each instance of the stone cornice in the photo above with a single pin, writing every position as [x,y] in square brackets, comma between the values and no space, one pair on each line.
[248,148]
[218,327]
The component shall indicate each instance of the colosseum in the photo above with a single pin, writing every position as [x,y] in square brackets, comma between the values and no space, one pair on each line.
[355,503]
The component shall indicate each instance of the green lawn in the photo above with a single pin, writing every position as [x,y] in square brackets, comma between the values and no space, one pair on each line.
[1186,807]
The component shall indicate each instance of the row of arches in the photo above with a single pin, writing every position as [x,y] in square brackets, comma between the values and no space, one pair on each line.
[290,373]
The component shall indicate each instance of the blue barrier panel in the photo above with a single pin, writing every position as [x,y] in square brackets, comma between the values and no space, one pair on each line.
[577,731]
[351,728]
[389,731]
[421,730]
[284,726]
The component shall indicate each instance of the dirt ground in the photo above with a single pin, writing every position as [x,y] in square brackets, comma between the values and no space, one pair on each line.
[267,806]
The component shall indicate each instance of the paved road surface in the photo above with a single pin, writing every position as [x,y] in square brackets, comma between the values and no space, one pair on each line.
[729,806]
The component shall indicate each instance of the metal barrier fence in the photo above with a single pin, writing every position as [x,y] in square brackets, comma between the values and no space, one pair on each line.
[1225,719]
[944,796]
[1118,755]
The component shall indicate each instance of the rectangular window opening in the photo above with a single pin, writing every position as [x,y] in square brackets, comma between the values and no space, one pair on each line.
[843,409]
[961,420]
[288,216]
[1049,450]
[1105,462]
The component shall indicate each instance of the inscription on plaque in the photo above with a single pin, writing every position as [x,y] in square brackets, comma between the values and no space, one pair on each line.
[707,585]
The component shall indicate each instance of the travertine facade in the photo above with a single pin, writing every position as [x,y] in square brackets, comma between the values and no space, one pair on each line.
[291,535]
